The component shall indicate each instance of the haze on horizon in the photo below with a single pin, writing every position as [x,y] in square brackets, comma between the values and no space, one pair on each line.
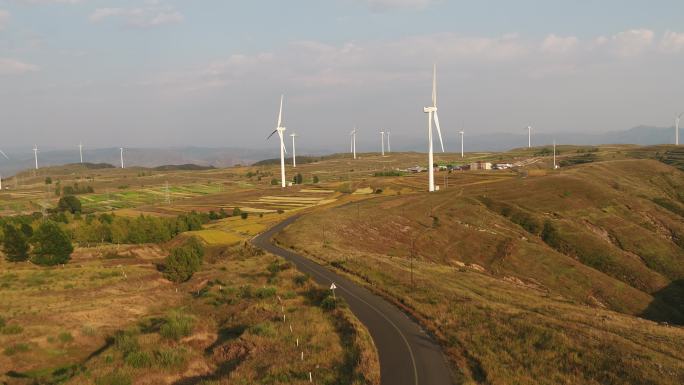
[160,73]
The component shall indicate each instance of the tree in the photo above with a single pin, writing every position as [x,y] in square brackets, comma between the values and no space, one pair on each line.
[237,212]
[52,245]
[181,264]
[315,179]
[15,245]
[48,180]
[69,203]
[298,179]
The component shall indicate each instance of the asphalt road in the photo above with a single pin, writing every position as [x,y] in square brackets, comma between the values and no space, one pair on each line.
[408,356]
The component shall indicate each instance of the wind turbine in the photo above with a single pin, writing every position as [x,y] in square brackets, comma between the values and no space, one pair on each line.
[554,155]
[35,154]
[6,157]
[462,134]
[529,136]
[389,146]
[383,142]
[80,150]
[122,160]
[432,111]
[280,130]
[353,142]
[294,151]
[677,128]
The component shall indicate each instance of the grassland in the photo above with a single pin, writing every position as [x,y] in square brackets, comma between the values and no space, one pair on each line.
[594,297]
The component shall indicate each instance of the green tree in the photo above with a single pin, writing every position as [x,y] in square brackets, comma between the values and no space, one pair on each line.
[181,264]
[27,230]
[52,245]
[298,179]
[315,179]
[48,180]
[236,212]
[69,203]
[15,245]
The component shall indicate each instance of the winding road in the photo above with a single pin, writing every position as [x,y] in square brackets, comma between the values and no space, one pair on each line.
[408,355]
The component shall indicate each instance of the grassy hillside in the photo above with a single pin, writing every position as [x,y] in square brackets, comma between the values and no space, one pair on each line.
[529,279]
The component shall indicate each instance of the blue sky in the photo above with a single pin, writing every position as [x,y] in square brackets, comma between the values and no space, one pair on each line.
[209,72]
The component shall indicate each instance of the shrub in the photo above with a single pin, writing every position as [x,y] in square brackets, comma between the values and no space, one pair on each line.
[27,230]
[301,279]
[69,203]
[52,246]
[181,264]
[11,329]
[265,292]
[264,329]
[126,342]
[15,244]
[170,357]
[329,303]
[237,212]
[16,348]
[65,337]
[244,215]
[139,359]
[274,182]
[176,326]
[315,179]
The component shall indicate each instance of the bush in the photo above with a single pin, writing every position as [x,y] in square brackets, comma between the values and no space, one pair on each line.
[264,329]
[16,348]
[315,179]
[237,212]
[126,342]
[329,303]
[176,326]
[65,337]
[139,360]
[11,329]
[52,246]
[265,292]
[15,244]
[170,357]
[69,203]
[274,182]
[181,264]
[301,279]
[244,215]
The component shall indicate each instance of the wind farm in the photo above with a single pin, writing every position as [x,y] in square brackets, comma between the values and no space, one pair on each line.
[193,242]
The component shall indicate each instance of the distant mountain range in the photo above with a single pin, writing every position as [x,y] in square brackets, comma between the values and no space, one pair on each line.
[226,156]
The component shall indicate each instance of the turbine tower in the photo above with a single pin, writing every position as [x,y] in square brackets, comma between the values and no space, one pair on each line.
[6,157]
[35,154]
[80,150]
[389,146]
[382,133]
[432,112]
[529,136]
[462,133]
[554,155]
[294,151]
[281,130]
[679,117]
[122,160]
[353,142]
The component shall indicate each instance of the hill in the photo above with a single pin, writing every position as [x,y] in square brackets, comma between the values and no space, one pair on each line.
[528,279]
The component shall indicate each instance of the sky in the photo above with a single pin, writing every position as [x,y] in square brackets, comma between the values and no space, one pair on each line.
[159,73]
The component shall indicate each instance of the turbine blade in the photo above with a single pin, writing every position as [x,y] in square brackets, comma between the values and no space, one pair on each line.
[282,141]
[439,131]
[280,114]
[434,85]
[274,131]
[3,154]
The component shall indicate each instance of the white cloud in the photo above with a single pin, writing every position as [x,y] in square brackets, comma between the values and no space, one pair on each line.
[672,42]
[151,15]
[627,43]
[4,18]
[559,44]
[10,66]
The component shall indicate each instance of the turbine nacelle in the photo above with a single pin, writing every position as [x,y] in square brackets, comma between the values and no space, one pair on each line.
[427,110]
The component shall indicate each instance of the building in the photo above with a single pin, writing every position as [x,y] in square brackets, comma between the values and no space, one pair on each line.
[502,166]
[416,169]
[481,166]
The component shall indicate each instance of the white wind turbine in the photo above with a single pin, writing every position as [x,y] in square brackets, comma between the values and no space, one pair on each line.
[679,117]
[382,141]
[80,150]
[122,160]
[529,136]
[294,151]
[432,112]
[389,145]
[462,134]
[353,142]
[281,130]
[554,155]
[6,157]
[35,154]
